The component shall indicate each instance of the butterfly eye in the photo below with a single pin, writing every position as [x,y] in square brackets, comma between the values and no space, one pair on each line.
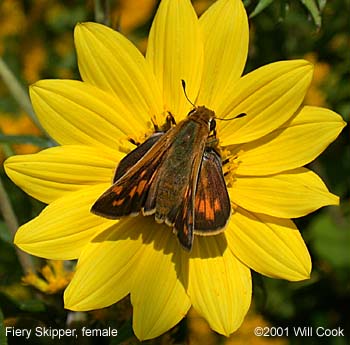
[212,124]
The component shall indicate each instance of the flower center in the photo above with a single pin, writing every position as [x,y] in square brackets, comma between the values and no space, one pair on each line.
[230,163]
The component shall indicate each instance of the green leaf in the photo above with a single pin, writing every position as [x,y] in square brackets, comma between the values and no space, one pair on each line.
[3,340]
[25,139]
[321,4]
[32,305]
[5,234]
[314,10]
[260,7]
[330,241]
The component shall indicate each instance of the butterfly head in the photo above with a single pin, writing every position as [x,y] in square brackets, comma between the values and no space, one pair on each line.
[200,113]
[204,115]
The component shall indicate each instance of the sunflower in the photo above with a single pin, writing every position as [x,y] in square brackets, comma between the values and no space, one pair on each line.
[121,95]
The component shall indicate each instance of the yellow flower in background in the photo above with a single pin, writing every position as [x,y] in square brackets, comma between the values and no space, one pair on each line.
[120,96]
[132,14]
[16,125]
[34,60]
[201,5]
[12,18]
[315,95]
[54,278]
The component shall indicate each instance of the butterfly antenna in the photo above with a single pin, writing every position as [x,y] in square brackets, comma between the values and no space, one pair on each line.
[232,118]
[183,83]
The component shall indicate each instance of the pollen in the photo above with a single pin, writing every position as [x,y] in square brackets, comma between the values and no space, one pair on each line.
[123,145]
[230,165]
[128,143]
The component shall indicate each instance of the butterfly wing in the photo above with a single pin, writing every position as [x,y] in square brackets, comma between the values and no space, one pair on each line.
[134,156]
[133,179]
[212,203]
[183,223]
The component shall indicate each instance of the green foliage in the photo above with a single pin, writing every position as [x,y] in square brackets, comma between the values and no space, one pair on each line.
[314,10]
[331,241]
[25,139]
[5,234]
[260,7]
[313,7]
[3,339]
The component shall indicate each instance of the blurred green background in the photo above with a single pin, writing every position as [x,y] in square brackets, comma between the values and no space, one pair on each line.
[36,42]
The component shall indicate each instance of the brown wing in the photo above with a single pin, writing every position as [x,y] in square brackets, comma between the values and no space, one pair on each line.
[129,192]
[127,195]
[134,156]
[183,224]
[212,203]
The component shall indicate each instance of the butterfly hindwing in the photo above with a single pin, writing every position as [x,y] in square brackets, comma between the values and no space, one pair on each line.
[212,203]
[185,218]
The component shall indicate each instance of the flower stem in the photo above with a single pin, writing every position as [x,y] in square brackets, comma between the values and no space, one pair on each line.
[12,223]
[17,91]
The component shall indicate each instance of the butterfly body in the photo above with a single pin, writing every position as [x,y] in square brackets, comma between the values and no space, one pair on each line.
[162,176]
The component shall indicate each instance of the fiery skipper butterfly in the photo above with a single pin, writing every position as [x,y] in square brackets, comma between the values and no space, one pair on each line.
[177,176]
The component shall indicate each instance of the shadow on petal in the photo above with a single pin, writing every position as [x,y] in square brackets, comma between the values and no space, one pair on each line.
[162,238]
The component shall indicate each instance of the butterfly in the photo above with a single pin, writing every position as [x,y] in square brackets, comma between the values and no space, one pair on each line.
[175,175]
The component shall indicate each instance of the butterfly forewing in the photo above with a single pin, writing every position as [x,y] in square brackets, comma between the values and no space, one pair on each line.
[184,225]
[134,156]
[128,194]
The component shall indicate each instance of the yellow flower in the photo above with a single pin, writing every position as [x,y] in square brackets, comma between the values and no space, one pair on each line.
[132,13]
[12,17]
[120,93]
[315,95]
[54,278]
[34,60]
[18,124]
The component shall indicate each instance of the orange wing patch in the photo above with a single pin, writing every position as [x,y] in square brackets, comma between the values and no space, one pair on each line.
[212,203]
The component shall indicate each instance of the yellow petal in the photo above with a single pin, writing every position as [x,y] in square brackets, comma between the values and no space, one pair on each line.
[54,172]
[270,246]
[175,52]
[158,294]
[64,227]
[73,112]
[292,145]
[269,96]
[111,62]
[292,194]
[106,267]
[219,284]
[225,35]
